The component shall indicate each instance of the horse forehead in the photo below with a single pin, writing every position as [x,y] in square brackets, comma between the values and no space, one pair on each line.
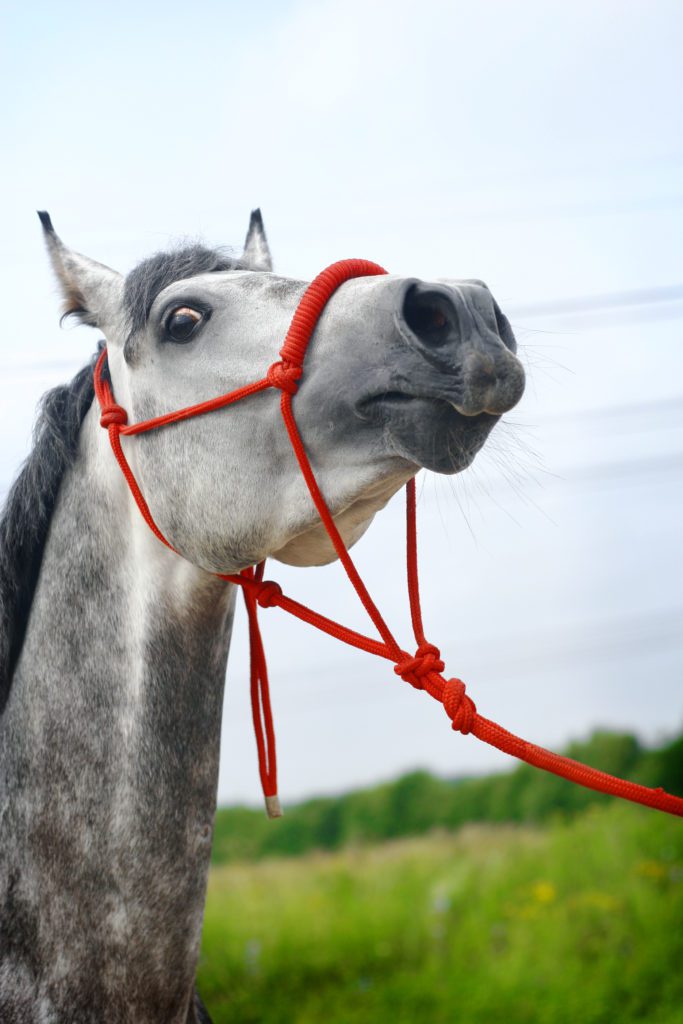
[224,285]
[264,287]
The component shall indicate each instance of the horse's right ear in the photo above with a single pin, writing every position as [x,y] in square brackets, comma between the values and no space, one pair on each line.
[256,255]
[91,292]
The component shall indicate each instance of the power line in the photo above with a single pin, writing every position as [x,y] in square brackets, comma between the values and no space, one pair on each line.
[600,302]
[650,407]
[546,652]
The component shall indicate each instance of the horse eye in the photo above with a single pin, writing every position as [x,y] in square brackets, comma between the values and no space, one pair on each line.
[181,323]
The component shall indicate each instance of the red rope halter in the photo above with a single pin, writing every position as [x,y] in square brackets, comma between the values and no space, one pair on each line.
[424,668]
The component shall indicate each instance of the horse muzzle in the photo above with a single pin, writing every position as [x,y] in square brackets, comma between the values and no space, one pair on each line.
[452,374]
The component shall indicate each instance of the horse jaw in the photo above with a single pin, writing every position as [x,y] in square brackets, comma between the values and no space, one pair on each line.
[313,546]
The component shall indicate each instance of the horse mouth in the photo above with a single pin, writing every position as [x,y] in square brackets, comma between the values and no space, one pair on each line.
[427,430]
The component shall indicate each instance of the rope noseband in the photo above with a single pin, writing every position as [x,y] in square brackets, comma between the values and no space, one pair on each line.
[423,669]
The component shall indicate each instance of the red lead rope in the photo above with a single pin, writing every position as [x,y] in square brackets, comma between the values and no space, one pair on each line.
[424,668]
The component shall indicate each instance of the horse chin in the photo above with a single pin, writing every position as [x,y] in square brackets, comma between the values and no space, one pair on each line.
[312,546]
[430,432]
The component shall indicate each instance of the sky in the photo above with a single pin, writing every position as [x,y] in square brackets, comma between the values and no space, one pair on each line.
[536,145]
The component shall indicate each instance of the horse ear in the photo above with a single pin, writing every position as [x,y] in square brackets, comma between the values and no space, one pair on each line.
[256,255]
[91,292]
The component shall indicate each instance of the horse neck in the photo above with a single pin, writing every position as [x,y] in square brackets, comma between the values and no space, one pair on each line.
[109,752]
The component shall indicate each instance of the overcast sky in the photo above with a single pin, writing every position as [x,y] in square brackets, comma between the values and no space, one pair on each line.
[536,145]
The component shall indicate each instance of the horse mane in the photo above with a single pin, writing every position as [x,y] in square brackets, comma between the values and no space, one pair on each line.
[149,278]
[26,515]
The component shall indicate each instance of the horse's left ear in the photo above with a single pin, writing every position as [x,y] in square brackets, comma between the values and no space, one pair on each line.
[256,255]
[91,292]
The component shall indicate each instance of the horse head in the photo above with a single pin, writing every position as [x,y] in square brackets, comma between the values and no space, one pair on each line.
[401,374]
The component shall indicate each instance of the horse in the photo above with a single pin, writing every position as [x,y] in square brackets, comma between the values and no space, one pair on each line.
[113,648]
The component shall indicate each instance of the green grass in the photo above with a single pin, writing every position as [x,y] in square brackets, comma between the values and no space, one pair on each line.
[574,922]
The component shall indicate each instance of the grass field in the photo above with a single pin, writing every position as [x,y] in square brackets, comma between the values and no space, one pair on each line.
[577,922]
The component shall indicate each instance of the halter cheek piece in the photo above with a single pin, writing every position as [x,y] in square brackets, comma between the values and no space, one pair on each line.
[423,669]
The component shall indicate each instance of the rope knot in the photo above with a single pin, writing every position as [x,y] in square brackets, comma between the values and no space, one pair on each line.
[113,414]
[285,376]
[427,660]
[267,593]
[460,708]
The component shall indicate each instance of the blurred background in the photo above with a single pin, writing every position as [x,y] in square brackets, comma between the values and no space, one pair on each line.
[538,146]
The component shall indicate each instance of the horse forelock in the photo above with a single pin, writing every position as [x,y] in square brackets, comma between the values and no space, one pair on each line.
[149,278]
[27,512]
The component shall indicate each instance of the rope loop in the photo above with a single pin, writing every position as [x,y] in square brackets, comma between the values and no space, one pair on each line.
[460,708]
[285,376]
[113,414]
[425,662]
[267,593]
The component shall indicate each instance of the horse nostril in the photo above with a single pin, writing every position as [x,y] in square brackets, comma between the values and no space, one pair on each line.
[482,370]
[428,315]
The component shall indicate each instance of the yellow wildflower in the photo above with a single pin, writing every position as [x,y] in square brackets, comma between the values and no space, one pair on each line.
[544,892]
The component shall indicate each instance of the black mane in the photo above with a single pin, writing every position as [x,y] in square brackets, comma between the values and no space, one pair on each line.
[25,518]
[150,277]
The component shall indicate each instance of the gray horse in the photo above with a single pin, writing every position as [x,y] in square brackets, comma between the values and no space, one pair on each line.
[113,649]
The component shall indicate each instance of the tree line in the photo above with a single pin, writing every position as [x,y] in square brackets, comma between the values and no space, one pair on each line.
[420,802]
